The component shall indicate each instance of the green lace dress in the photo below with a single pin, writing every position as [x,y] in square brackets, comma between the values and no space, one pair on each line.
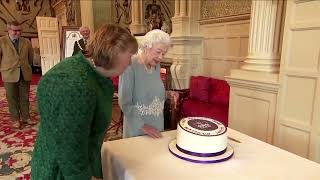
[75,105]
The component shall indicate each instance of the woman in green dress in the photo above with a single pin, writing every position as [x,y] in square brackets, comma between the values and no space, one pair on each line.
[75,105]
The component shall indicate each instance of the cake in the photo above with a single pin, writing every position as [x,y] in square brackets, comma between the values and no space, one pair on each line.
[201,139]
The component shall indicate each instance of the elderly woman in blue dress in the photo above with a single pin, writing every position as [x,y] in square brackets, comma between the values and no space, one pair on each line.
[141,91]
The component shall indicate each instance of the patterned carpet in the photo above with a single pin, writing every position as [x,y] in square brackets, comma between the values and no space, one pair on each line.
[16,146]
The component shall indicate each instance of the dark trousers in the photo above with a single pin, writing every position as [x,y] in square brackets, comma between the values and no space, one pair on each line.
[18,98]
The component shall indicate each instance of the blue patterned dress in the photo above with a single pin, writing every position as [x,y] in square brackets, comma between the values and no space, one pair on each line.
[141,98]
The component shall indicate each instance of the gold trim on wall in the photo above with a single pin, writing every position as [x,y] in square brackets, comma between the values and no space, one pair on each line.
[224,11]
[225,19]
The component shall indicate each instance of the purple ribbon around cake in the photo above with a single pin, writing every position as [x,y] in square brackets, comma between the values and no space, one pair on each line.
[201,154]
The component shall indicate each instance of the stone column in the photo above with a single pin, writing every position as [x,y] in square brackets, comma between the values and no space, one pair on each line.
[254,87]
[87,14]
[187,43]
[181,20]
[137,26]
[177,8]
[264,39]
[183,7]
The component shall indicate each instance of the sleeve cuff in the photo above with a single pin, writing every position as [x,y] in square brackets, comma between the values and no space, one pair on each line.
[97,168]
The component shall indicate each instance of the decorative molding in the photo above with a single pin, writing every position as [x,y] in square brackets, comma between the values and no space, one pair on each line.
[305,25]
[25,12]
[225,58]
[302,1]
[225,19]
[158,14]
[253,85]
[224,10]
[182,39]
[55,3]
[123,11]
[71,12]
[243,101]
[295,124]
[68,8]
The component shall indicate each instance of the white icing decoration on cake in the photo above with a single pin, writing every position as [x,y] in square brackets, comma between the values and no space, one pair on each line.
[201,135]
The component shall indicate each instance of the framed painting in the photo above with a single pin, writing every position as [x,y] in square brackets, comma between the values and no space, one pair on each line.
[70,34]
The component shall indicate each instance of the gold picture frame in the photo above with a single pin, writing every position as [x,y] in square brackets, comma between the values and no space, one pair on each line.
[70,34]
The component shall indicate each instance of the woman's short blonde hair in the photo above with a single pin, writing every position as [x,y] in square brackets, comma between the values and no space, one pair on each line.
[154,37]
[108,41]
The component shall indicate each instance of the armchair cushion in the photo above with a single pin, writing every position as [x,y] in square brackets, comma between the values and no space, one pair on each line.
[207,97]
[197,108]
[199,87]
[219,92]
[115,82]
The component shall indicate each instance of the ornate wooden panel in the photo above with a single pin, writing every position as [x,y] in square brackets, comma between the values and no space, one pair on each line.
[25,12]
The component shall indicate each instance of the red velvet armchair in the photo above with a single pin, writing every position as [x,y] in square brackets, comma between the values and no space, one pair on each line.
[206,97]
[115,82]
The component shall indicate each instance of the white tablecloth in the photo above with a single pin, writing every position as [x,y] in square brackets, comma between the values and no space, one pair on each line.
[143,158]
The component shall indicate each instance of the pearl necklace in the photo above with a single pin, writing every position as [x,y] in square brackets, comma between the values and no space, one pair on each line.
[141,61]
[149,70]
[92,62]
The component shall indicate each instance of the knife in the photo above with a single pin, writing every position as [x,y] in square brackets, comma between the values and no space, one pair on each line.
[235,140]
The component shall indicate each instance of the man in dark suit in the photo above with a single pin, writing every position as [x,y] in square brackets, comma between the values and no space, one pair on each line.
[16,57]
[80,45]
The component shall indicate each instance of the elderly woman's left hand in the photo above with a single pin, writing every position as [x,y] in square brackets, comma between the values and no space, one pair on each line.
[151,131]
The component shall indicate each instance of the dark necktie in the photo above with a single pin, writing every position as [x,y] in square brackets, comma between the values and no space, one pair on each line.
[16,44]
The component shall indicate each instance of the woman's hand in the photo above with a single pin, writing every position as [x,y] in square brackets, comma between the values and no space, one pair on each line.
[94,178]
[151,131]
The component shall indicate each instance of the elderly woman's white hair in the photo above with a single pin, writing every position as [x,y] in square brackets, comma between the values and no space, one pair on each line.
[154,37]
